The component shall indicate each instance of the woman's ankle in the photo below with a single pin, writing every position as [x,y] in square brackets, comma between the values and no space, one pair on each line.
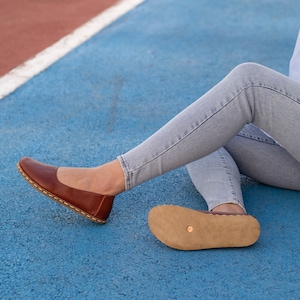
[110,178]
[107,179]
[230,208]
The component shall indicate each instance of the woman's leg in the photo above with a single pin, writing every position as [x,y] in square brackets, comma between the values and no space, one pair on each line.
[249,94]
[217,179]
[251,152]
[260,157]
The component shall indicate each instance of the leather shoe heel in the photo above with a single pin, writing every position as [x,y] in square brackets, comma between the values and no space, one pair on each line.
[43,178]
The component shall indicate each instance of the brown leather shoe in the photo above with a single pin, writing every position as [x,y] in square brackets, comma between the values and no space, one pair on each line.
[42,177]
[187,229]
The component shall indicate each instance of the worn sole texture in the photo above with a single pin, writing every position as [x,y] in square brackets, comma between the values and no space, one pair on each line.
[186,229]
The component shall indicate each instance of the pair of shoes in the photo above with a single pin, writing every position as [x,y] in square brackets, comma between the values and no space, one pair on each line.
[186,229]
[43,178]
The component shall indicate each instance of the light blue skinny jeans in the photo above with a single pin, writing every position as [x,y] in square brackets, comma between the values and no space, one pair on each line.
[223,133]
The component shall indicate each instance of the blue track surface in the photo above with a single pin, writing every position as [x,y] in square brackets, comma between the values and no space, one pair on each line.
[104,98]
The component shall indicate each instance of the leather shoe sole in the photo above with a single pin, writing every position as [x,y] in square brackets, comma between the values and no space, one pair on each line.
[42,177]
[186,229]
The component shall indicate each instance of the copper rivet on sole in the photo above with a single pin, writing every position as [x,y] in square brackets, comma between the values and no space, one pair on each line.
[190,229]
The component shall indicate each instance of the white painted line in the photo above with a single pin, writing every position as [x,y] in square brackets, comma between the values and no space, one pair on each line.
[18,76]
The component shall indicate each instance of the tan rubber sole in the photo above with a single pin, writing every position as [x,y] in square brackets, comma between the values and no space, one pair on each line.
[186,229]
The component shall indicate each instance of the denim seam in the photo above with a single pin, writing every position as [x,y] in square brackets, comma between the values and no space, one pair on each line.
[258,139]
[125,171]
[225,165]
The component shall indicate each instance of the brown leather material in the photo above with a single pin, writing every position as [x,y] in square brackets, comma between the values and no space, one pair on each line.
[95,207]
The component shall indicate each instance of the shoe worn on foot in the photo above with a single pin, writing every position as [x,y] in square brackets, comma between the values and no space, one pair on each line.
[42,177]
[186,229]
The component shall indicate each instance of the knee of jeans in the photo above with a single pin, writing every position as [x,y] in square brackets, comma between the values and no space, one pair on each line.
[248,70]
